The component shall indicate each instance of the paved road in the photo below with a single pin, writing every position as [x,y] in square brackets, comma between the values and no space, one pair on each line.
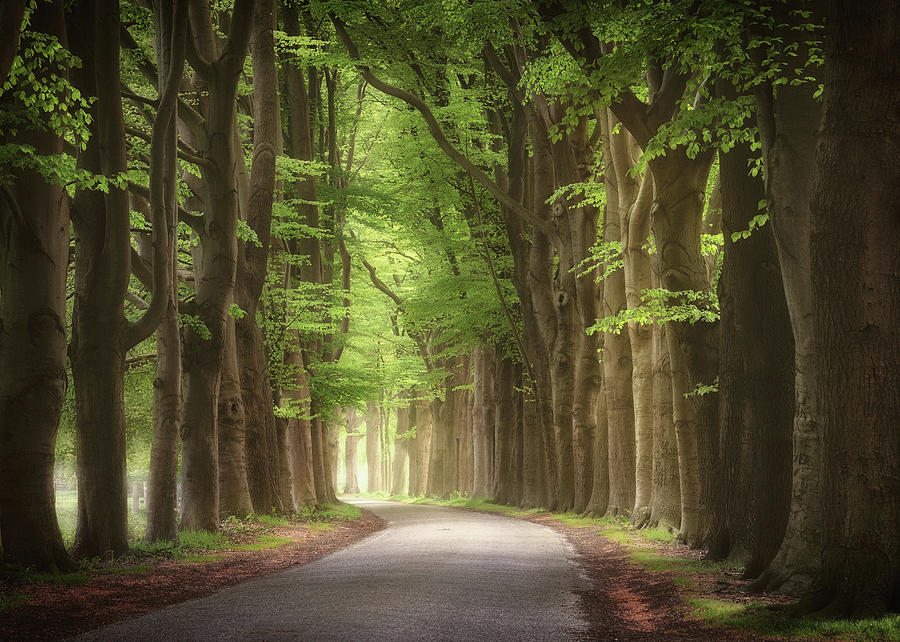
[434,574]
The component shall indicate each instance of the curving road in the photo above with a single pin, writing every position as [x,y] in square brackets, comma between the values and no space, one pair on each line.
[434,573]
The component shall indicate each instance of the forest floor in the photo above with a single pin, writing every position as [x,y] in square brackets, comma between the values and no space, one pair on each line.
[48,607]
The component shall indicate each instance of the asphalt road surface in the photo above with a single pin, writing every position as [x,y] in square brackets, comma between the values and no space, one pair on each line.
[434,573]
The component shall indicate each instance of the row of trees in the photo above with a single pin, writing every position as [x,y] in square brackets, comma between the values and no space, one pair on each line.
[723,404]
[604,257]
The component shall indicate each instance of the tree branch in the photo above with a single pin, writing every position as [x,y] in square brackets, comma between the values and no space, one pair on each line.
[184,152]
[437,133]
[160,197]
[381,285]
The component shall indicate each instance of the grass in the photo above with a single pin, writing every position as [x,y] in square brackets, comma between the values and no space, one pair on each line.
[753,616]
[272,520]
[56,578]
[11,600]
[203,540]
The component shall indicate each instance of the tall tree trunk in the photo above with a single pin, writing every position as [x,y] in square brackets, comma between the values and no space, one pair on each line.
[788,124]
[856,309]
[351,481]
[298,434]
[373,449]
[505,422]
[234,492]
[553,394]
[483,414]
[34,246]
[419,450]
[162,507]
[617,363]
[100,332]
[756,381]
[598,503]
[332,445]
[214,259]
[262,450]
[574,160]
[319,453]
[634,200]
[679,188]
[665,499]
[406,418]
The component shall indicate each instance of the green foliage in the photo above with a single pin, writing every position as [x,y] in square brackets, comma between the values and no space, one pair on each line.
[45,100]
[247,234]
[659,305]
[703,389]
[236,312]
[605,257]
[196,324]
[756,222]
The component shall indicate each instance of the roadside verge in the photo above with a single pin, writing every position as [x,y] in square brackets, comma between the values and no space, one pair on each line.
[48,607]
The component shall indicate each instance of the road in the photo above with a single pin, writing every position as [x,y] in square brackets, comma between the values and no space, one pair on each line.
[434,573]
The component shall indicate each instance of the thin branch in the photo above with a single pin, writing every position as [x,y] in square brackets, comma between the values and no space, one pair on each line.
[128,95]
[136,300]
[506,75]
[184,152]
[183,215]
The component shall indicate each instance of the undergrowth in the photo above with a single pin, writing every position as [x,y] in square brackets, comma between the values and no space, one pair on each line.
[776,621]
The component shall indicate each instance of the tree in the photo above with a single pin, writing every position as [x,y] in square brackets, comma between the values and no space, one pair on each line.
[216,72]
[171,33]
[856,304]
[34,217]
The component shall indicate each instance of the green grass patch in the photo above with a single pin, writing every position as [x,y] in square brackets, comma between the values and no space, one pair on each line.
[67,514]
[164,548]
[330,512]
[272,520]
[776,621]
[203,540]
[343,512]
[264,542]
[11,600]
[319,526]
[657,535]
[56,578]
